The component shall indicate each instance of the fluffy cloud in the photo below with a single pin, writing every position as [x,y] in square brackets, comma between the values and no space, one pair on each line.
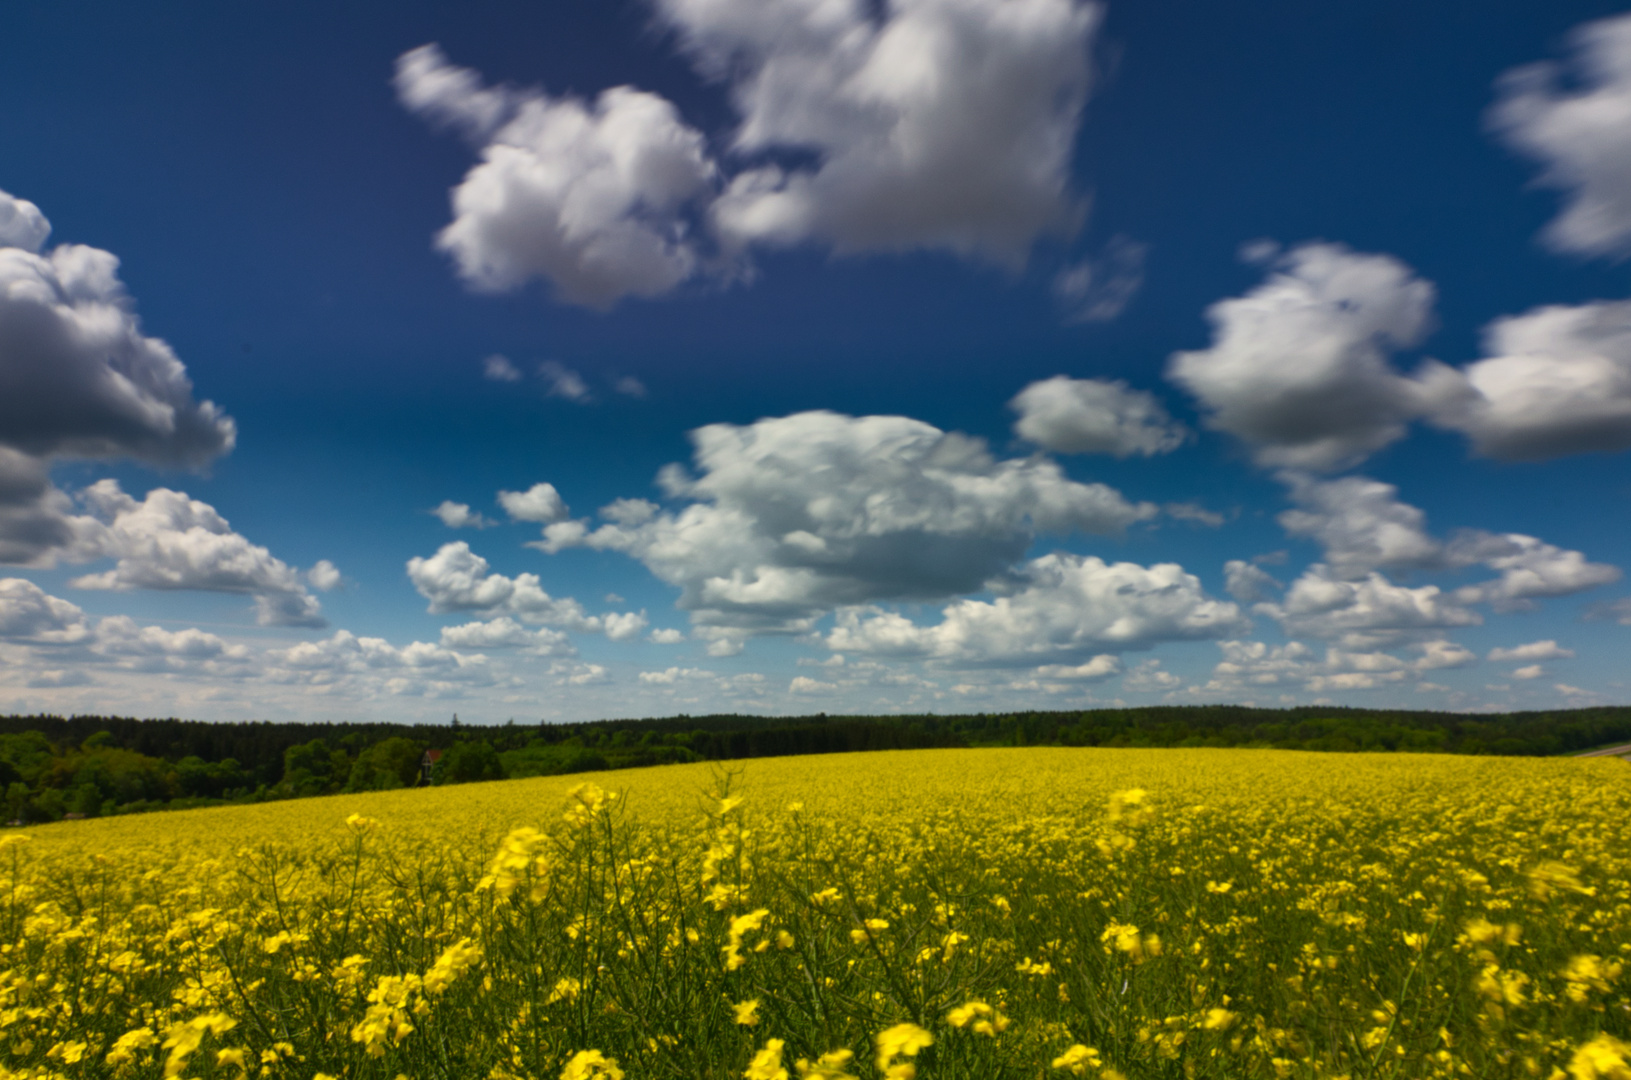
[499,369]
[1535,650]
[1579,130]
[1530,570]
[944,124]
[1247,664]
[1094,416]
[152,648]
[504,633]
[1100,288]
[347,654]
[29,614]
[457,515]
[794,516]
[674,675]
[1065,606]
[667,636]
[920,124]
[1556,381]
[1367,611]
[457,579]
[1100,667]
[565,383]
[589,195]
[540,503]
[78,379]
[1247,582]
[1298,367]
[1362,526]
[169,541]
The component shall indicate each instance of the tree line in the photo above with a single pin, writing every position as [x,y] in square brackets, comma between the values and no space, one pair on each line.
[53,767]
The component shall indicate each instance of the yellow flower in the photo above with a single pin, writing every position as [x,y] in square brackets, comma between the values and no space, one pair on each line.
[360,825]
[1077,1059]
[591,1065]
[1603,1058]
[767,1063]
[829,1066]
[902,1040]
[747,1012]
[1219,1020]
[126,1045]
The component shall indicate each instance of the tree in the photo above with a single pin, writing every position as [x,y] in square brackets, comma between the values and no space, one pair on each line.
[467,761]
[392,763]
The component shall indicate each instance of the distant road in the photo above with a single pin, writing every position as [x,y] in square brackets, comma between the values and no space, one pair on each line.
[1612,751]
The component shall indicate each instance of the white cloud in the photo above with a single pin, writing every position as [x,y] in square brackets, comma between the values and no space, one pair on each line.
[1579,130]
[921,124]
[1372,609]
[941,124]
[1094,416]
[1099,289]
[1360,524]
[667,636]
[170,541]
[804,685]
[457,579]
[1148,678]
[1064,606]
[540,503]
[1618,610]
[1298,367]
[1248,664]
[1556,381]
[457,515]
[1530,569]
[1100,667]
[152,648]
[346,653]
[629,386]
[1247,583]
[674,675]
[324,576]
[30,614]
[499,369]
[1572,691]
[563,382]
[1535,650]
[794,516]
[1194,513]
[589,195]
[78,379]
[504,632]
[1533,671]
[580,674]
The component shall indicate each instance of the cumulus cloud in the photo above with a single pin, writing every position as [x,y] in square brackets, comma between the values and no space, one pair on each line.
[324,576]
[1094,416]
[1064,606]
[170,541]
[1099,289]
[153,648]
[457,515]
[1361,526]
[346,653]
[1555,381]
[920,124]
[1249,664]
[457,579]
[793,516]
[1367,611]
[589,195]
[1100,667]
[1532,671]
[30,614]
[674,675]
[1299,366]
[1194,513]
[629,386]
[540,503]
[505,633]
[666,636]
[942,124]
[1575,121]
[1535,650]
[1247,582]
[78,379]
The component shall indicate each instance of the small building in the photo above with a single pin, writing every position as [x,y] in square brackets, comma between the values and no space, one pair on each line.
[427,764]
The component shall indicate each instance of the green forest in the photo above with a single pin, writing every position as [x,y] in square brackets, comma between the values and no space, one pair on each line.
[54,767]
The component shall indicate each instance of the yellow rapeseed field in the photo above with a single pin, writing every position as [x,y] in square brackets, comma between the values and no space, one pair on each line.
[965,915]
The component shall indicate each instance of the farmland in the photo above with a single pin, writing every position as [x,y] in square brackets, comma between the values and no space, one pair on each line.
[938,913]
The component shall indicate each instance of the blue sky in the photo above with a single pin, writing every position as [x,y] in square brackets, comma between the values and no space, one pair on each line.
[918,355]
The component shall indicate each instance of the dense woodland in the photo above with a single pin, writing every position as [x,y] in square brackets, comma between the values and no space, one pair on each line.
[53,767]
